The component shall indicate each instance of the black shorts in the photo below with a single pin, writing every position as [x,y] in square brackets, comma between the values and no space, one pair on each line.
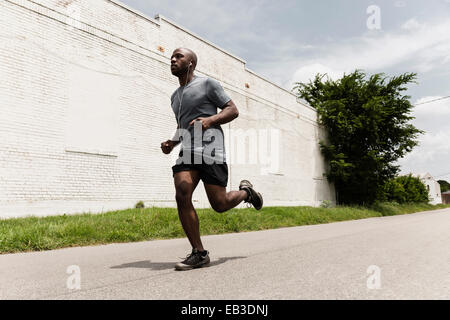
[216,173]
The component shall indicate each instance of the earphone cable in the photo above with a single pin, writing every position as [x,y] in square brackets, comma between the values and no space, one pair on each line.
[181,101]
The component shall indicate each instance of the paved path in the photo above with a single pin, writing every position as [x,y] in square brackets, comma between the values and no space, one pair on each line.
[328,261]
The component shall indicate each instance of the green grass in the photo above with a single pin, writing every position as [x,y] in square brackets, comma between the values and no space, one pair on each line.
[36,234]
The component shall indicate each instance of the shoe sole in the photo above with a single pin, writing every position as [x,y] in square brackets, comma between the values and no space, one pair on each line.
[245,183]
[253,195]
[180,267]
[262,201]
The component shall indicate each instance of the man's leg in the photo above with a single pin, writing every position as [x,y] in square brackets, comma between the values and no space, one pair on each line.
[185,184]
[221,200]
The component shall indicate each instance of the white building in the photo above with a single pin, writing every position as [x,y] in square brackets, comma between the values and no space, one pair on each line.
[433,187]
[85,104]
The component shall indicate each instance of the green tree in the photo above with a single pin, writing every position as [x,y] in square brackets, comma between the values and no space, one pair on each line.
[445,186]
[367,121]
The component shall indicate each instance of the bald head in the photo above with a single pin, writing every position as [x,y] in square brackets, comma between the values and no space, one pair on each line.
[190,55]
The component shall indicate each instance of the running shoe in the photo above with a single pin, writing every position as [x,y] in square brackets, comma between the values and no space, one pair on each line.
[254,198]
[194,260]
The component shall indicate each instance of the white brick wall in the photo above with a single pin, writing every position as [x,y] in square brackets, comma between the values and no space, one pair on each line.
[102,56]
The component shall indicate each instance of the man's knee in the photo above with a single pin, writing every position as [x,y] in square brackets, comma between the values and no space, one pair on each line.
[219,207]
[182,198]
[183,194]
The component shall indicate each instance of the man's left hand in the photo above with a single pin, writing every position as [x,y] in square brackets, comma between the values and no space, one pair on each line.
[206,122]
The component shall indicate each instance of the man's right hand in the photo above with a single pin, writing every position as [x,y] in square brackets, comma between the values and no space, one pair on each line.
[167,146]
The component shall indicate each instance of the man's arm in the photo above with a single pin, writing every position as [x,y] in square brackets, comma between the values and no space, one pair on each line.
[228,114]
[176,138]
[167,146]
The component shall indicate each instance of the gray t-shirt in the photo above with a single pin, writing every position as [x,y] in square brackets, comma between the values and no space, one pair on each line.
[200,98]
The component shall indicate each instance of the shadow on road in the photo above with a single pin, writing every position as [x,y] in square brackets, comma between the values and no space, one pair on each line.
[147,264]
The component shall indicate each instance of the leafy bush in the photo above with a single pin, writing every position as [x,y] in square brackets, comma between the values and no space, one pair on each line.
[326,204]
[140,205]
[445,186]
[404,189]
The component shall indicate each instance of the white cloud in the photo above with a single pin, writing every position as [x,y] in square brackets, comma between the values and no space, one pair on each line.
[437,108]
[411,24]
[433,152]
[307,72]
[423,46]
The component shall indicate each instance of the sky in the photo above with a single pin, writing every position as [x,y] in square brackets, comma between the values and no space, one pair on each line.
[290,41]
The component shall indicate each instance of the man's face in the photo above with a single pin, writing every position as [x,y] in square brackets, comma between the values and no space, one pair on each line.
[179,62]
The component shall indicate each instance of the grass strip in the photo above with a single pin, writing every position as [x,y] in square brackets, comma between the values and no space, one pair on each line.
[132,225]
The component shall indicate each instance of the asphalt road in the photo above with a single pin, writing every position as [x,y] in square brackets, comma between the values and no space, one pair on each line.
[399,257]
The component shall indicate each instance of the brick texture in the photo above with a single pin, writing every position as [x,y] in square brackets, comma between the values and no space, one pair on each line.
[58,56]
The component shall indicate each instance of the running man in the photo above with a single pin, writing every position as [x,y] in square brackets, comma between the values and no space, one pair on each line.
[195,105]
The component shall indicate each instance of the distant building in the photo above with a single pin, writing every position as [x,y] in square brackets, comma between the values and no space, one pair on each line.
[446,197]
[433,187]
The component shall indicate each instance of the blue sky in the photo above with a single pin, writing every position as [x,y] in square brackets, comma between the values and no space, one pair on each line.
[291,40]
